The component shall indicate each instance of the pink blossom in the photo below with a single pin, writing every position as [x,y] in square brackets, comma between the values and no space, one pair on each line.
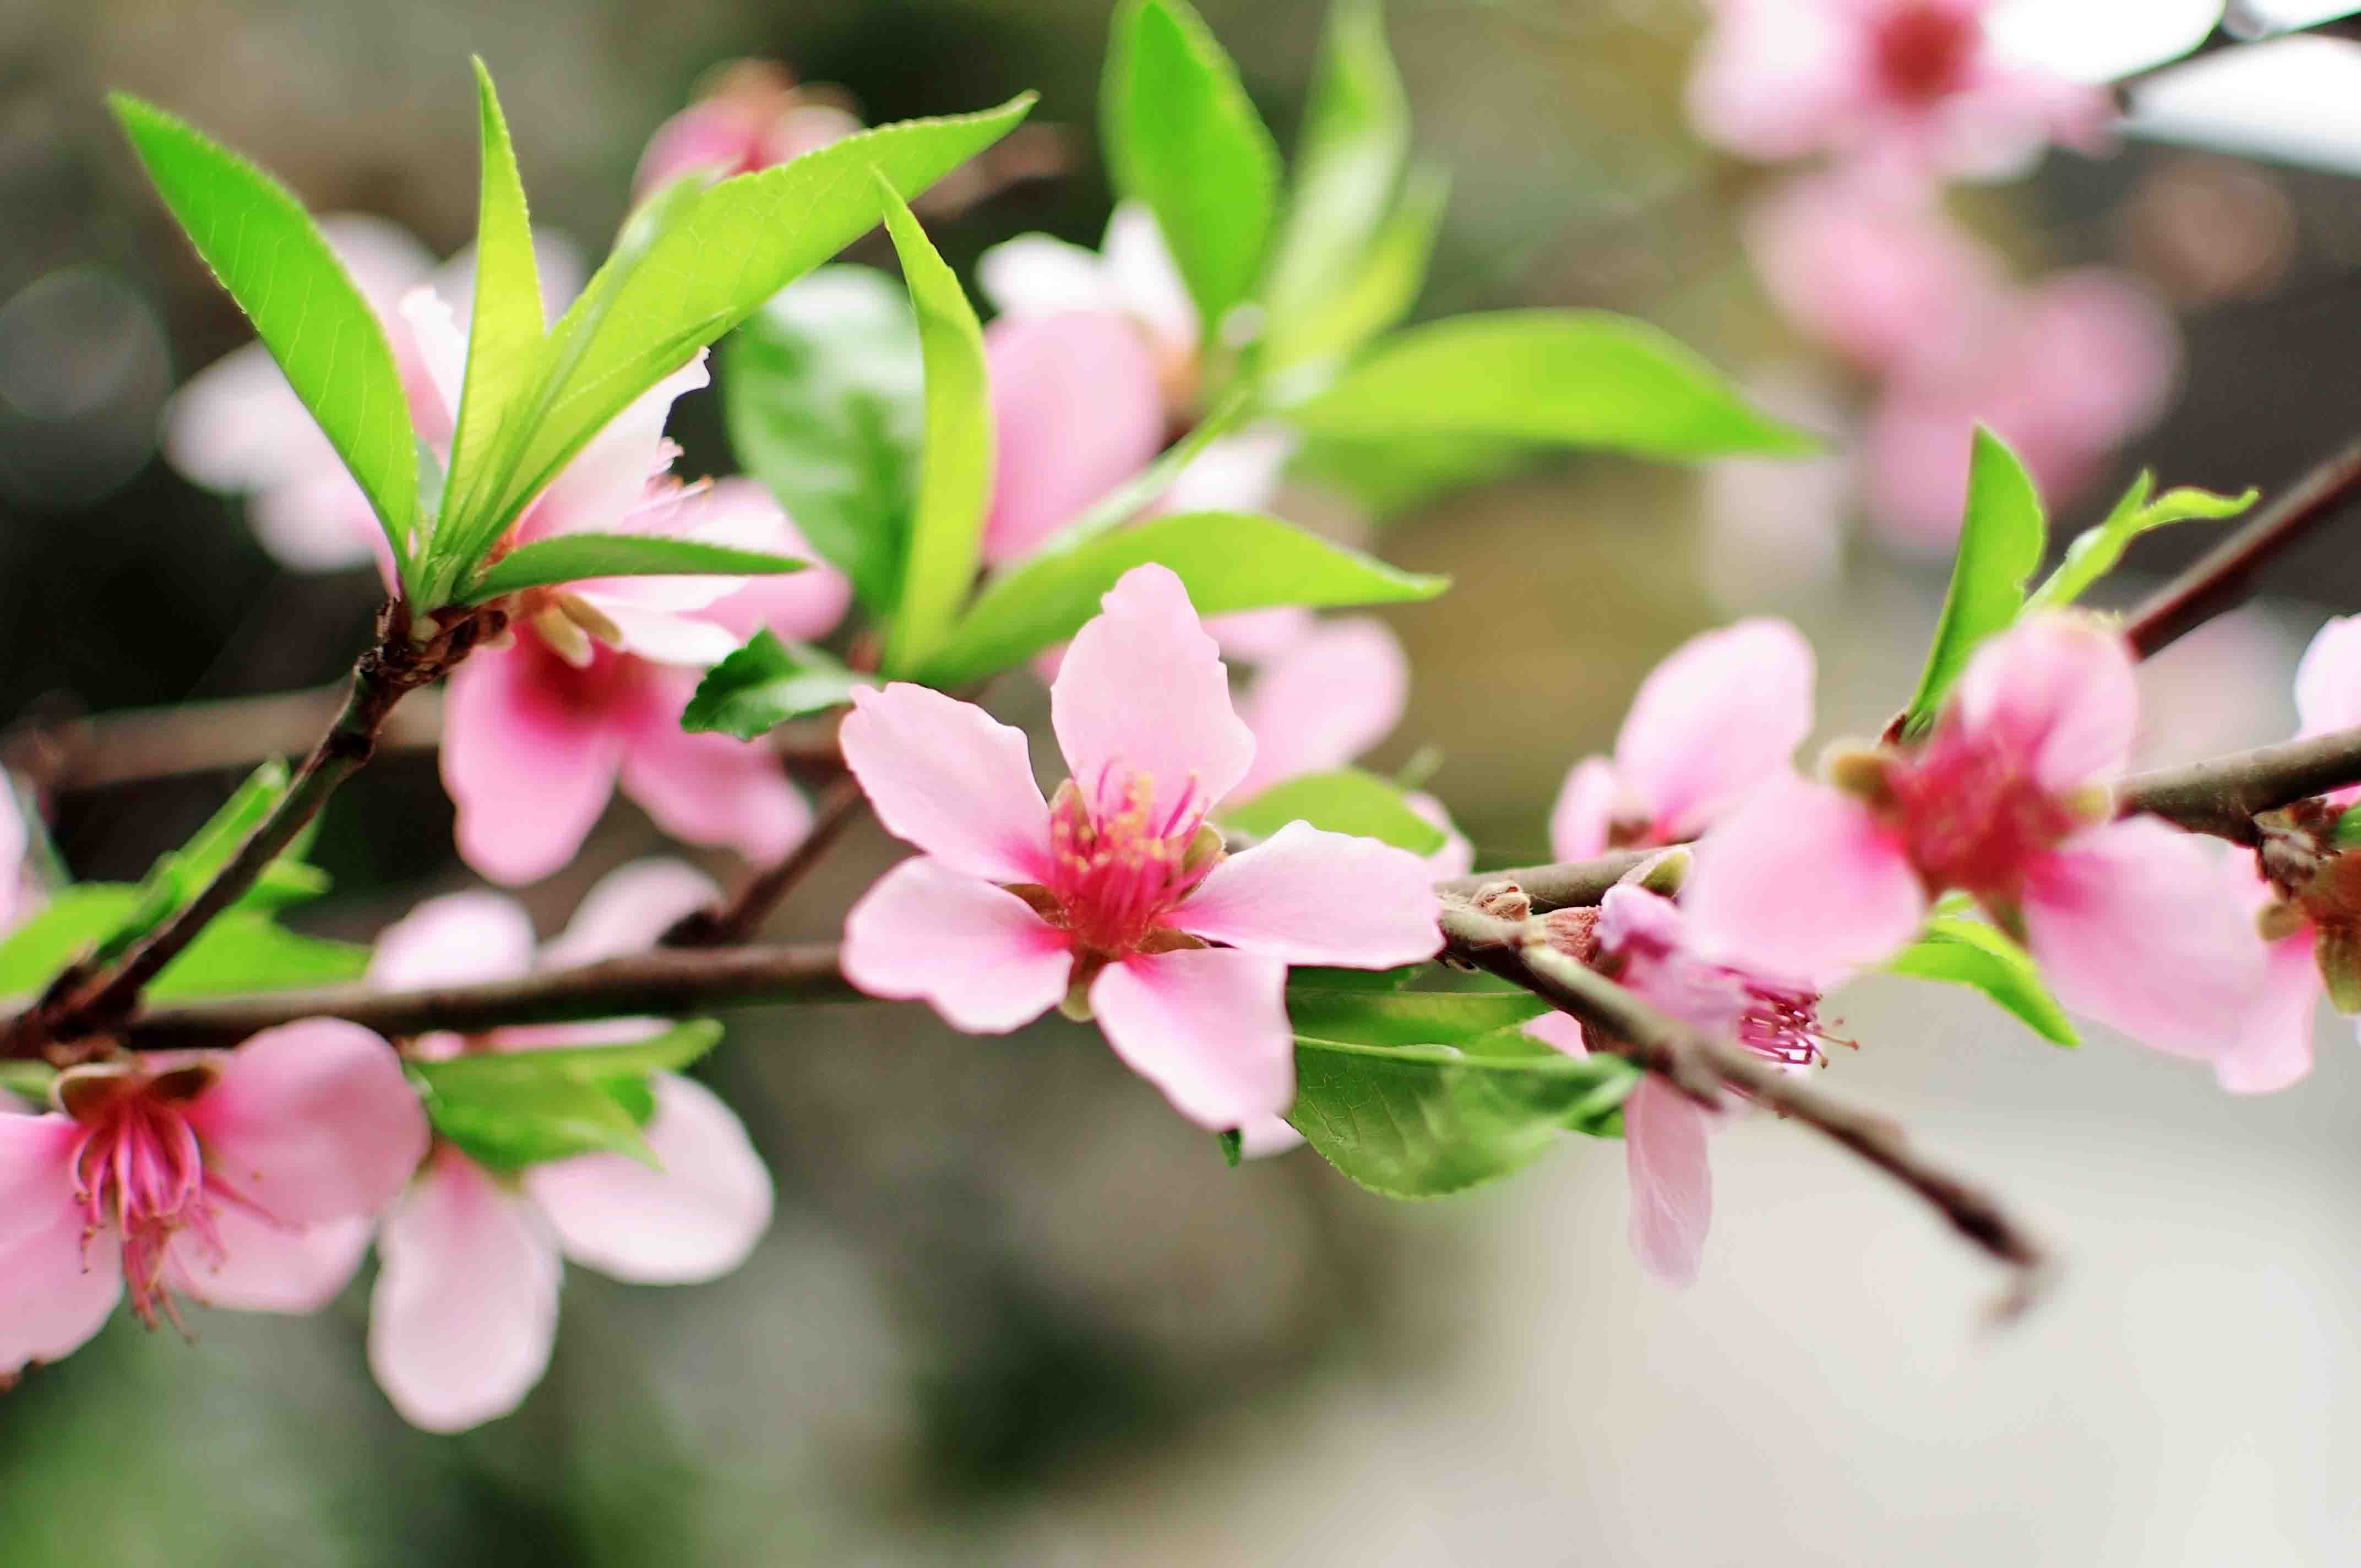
[2006,801]
[1076,411]
[1911,88]
[1111,895]
[465,1311]
[1724,712]
[1642,940]
[755,117]
[245,1179]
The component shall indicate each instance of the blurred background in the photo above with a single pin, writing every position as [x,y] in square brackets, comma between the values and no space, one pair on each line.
[1013,1309]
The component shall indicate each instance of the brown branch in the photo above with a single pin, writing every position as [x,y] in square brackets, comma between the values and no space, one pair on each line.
[1701,1066]
[740,916]
[1569,885]
[2223,794]
[660,983]
[2226,574]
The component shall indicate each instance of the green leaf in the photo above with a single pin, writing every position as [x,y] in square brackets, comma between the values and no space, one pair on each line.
[1345,800]
[2347,831]
[763,684]
[2001,541]
[1575,378]
[1229,561]
[1135,495]
[242,950]
[1232,1146]
[824,400]
[1379,292]
[504,336]
[1375,1017]
[508,1110]
[267,252]
[692,264]
[573,557]
[1348,165]
[955,471]
[2095,551]
[1970,952]
[678,1047]
[1423,1121]
[1182,136]
[177,876]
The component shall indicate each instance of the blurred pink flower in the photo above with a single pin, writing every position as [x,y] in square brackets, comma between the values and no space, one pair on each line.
[464,1309]
[1642,940]
[245,1179]
[1112,893]
[1912,89]
[238,426]
[2006,800]
[1076,411]
[755,117]
[1721,715]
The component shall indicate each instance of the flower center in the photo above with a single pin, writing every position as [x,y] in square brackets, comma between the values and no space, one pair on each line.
[1972,817]
[1119,861]
[1923,50]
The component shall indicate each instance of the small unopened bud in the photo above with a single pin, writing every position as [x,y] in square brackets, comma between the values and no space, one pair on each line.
[1860,771]
[2279,919]
[1502,900]
[1205,850]
[2337,950]
[1661,875]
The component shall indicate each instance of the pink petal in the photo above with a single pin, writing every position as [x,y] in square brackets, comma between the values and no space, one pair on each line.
[1076,409]
[711,788]
[2060,694]
[1144,694]
[2132,924]
[627,909]
[2328,681]
[1772,82]
[529,769]
[801,607]
[717,134]
[736,514]
[696,1219]
[1560,1030]
[2274,1047]
[268,1267]
[1315,897]
[1035,275]
[465,1311]
[1255,635]
[930,932]
[1234,473]
[320,522]
[237,425]
[1721,715]
[1140,267]
[312,1121]
[442,348]
[35,1175]
[1458,856]
[453,940]
[1801,882]
[607,480]
[1207,1027]
[1587,805]
[55,1289]
[1266,1136]
[664,637]
[385,260]
[947,776]
[1672,1180]
[1334,696]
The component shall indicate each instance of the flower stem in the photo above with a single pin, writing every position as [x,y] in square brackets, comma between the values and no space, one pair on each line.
[740,916]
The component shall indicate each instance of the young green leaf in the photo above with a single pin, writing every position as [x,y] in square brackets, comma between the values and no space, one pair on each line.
[573,557]
[1970,952]
[1571,378]
[267,252]
[1232,1145]
[507,1110]
[1365,1016]
[1348,165]
[955,471]
[2095,551]
[1228,560]
[763,684]
[1345,800]
[1393,475]
[673,1049]
[1423,1121]
[824,400]
[1379,293]
[1182,136]
[2001,540]
[2346,833]
[243,949]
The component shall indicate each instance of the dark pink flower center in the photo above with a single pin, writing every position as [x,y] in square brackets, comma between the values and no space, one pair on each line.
[610,684]
[1122,860]
[1972,816]
[1923,50]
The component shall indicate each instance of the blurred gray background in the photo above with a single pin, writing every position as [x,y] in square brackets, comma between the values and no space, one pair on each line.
[1014,1310]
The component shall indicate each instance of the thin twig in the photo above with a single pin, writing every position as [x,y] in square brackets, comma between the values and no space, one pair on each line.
[2223,794]
[1569,885]
[740,916]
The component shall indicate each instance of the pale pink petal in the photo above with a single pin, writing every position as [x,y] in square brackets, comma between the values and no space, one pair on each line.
[683,641]
[1458,856]
[949,777]
[717,134]
[627,909]
[930,932]
[2274,1048]
[2099,355]
[19,894]
[56,1290]
[1252,635]
[1801,882]
[696,1218]
[1723,713]
[443,349]
[385,260]
[1143,694]
[320,522]
[801,607]
[2131,925]
[2060,692]
[737,514]
[712,788]
[607,481]
[1772,82]
[312,1121]
[530,770]
[1587,805]
[35,1178]
[1140,267]
[1207,1027]
[1234,473]
[465,1311]
[454,940]
[1035,275]
[268,1267]
[1266,1136]
[1076,409]
[1664,1135]
[1560,1030]
[1315,897]
[806,127]
[2328,681]
[1334,696]
[237,425]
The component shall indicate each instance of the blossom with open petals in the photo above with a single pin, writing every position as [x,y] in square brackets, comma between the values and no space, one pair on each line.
[2005,800]
[1723,713]
[465,1311]
[755,117]
[245,1179]
[1116,895]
